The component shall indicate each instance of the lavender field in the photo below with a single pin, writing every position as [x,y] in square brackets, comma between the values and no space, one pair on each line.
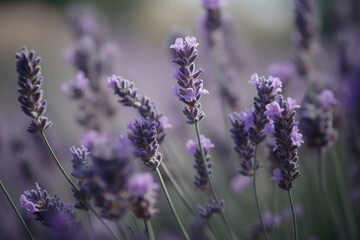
[191,119]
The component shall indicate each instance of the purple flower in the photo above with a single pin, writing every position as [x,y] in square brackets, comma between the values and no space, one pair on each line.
[277,176]
[28,205]
[292,103]
[273,109]
[76,89]
[142,190]
[296,137]
[207,210]
[269,127]
[178,45]
[287,139]
[48,209]
[239,183]
[108,176]
[254,80]
[283,70]
[267,90]
[143,136]
[327,98]
[189,87]
[92,138]
[241,124]
[193,148]
[213,4]
[31,94]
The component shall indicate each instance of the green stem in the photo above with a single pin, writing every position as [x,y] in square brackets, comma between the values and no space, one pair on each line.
[293,215]
[256,195]
[322,188]
[177,188]
[209,179]
[91,225]
[16,210]
[171,205]
[74,186]
[149,230]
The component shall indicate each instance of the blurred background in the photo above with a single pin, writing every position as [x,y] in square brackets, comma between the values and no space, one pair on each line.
[261,33]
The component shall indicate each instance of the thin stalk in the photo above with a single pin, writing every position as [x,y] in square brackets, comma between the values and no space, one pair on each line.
[171,205]
[91,225]
[149,230]
[177,188]
[256,195]
[322,188]
[16,210]
[209,179]
[73,185]
[293,215]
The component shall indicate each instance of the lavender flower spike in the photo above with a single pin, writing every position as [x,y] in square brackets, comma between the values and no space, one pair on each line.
[31,94]
[267,90]
[143,136]
[287,141]
[241,123]
[49,210]
[193,148]
[207,211]
[190,87]
[142,189]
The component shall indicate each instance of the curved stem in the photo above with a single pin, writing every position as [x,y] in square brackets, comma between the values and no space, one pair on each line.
[171,205]
[73,185]
[256,195]
[177,188]
[209,179]
[321,182]
[293,215]
[149,230]
[16,210]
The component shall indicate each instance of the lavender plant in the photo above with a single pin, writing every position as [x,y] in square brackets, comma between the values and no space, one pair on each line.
[144,137]
[30,82]
[190,91]
[287,141]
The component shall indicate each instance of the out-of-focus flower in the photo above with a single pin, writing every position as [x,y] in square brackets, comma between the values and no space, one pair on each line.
[142,190]
[193,148]
[207,210]
[239,183]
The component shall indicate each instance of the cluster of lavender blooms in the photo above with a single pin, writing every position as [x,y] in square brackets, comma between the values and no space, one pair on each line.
[129,97]
[287,140]
[110,180]
[316,120]
[143,135]
[143,193]
[306,26]
[49,210]
[267,90]
[187,77]
[207,210]
[201,181]
[31,94]
[93,57]
[80,171]
[241,123]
